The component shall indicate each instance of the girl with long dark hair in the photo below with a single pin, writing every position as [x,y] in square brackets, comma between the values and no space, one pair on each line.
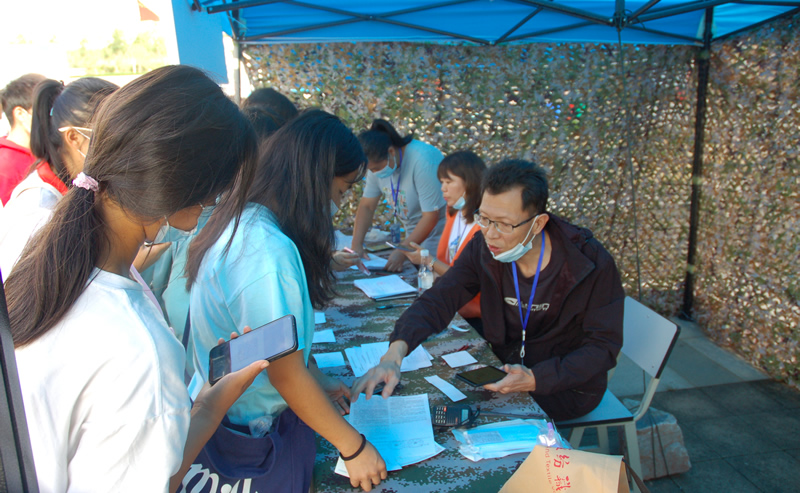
[100,372]
[60,134]
[275,264]
[404,171]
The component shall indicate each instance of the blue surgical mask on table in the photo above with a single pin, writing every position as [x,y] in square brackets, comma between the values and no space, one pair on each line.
[460,203]
[388,170]
[516,253]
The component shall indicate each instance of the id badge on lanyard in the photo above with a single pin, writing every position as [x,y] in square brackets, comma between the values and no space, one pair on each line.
[527,316]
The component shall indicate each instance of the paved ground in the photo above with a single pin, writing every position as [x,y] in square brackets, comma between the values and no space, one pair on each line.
[741,429]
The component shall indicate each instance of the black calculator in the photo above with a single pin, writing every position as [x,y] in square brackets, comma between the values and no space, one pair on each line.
[450,416]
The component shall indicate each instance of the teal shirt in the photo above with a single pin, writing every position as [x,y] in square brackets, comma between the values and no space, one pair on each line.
[260,279]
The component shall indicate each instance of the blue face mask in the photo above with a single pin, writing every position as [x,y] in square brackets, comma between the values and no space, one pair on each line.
[388,170]
[460,203]
[519,250]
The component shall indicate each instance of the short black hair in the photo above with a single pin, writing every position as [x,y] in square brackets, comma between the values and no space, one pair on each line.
[19,92]
[512,173]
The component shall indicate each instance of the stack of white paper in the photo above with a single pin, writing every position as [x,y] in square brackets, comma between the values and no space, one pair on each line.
[364,357]
[372,263]
[399,427]
[382,288]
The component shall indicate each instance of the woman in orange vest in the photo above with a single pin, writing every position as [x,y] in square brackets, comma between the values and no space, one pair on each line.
[460,174]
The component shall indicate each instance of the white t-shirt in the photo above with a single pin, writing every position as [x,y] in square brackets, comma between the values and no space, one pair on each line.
[260,279]
[104,396]
[458,234]
[29,208]
[419,189]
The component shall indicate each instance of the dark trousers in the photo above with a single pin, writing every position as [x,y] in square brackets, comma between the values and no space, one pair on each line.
[568,404]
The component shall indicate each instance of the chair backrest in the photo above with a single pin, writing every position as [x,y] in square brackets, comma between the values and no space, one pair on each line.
[16,457]
[648,337]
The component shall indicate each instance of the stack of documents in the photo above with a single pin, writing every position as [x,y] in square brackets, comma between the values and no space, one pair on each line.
[399,427]
[385,288]
[364,357]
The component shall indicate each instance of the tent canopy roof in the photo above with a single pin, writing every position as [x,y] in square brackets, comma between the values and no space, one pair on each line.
[492,22]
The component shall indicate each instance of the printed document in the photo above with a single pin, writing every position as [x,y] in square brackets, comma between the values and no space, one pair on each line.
[374,262]
[383,287]
[366,356]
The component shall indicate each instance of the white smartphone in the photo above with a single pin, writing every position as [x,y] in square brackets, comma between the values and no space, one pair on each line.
[270,342]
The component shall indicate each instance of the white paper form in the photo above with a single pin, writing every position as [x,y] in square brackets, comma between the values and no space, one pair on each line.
[385,286]
[327,360]
[460,358]
[324,336]
[374,262]
[366,356]
[446,387]
[399,427]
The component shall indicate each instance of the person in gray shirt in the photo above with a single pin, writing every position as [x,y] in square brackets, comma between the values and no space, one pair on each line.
[404,171]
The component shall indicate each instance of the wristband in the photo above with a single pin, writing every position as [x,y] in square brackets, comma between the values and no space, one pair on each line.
[358,452]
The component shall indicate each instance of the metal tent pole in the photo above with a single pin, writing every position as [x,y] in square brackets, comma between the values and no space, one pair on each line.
[703,66]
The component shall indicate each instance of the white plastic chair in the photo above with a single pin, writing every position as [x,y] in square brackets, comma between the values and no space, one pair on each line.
[648,339]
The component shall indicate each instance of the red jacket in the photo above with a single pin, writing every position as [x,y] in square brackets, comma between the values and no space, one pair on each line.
[473,308]
[15,164]
[575,351]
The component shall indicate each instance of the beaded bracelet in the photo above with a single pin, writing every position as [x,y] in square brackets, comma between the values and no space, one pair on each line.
[358,452]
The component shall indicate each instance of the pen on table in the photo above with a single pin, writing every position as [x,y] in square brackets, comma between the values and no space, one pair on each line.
[386,307]
[361,266]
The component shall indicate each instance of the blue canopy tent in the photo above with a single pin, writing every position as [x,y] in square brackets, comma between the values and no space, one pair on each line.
[493,22]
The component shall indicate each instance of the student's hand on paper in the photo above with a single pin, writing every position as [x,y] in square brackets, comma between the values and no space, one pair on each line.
[413,257]
[338,393]
[395,262]
[519,379]
[367,470]
[218,399]
[387,372]
[342,260]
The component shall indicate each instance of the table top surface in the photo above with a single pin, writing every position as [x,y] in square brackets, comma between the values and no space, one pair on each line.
[355,321]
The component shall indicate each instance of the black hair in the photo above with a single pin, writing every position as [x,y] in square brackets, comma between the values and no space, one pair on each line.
[169,140]
[268,110]
[56,106]
[19,92]
[296,169]
[469,167]
[379,138]
[512,173]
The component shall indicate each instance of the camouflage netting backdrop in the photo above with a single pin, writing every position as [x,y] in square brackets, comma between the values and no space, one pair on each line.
[565,107]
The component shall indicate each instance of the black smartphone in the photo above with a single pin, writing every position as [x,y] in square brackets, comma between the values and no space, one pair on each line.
[481,376]
[270,342]
[401,247]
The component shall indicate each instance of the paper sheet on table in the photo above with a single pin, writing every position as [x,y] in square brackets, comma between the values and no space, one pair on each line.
[324,336]
[366,356]
[327,360]
[319,318]
[446,387]
[342,240]
[399,427]
[384,287]
[372,263]
[460,358]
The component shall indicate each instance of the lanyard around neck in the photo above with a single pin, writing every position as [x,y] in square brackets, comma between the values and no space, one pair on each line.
[522,319]
[396,192]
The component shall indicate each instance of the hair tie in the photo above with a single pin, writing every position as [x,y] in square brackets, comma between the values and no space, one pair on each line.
[85,181]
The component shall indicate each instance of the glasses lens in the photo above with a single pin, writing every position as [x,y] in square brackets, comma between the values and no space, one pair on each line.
[481,221]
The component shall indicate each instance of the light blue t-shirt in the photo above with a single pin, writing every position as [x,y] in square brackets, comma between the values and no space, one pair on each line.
[419,189]
[260,279]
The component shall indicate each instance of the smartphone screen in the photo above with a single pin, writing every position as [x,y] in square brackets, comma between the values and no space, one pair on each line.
[482,376]
[270,342]
[400,247]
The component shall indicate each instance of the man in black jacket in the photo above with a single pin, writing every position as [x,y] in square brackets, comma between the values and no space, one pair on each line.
[551,299]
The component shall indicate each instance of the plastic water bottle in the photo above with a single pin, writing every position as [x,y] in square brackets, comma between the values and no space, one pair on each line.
[425,274]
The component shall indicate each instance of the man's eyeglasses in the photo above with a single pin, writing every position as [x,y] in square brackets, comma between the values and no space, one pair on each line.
[502,228]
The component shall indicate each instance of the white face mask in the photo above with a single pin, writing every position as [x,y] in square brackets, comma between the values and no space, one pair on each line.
[460,203]
[334,208]
[388,170]
[516,253]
